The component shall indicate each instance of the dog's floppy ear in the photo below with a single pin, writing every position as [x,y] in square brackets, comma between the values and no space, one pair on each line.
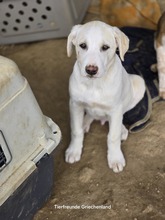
[122,42]
[71,39]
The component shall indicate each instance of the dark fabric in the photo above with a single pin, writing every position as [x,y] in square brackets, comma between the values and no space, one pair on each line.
[138,60]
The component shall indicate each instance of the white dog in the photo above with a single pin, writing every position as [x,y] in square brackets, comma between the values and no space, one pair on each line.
[100,88]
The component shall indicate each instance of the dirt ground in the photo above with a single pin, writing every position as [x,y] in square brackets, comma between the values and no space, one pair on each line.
[136,193]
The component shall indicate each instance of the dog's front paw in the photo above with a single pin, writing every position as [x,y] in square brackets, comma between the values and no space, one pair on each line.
[116,161]
[72,154]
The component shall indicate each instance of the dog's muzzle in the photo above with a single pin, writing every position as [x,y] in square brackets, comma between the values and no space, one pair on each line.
[91,70]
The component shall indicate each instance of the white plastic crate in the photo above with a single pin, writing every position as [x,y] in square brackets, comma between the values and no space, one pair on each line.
[31,20]
[26,135]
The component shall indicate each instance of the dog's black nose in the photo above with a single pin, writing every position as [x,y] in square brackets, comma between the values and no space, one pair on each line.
[91,70]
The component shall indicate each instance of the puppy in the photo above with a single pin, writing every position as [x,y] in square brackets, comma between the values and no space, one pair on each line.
[160,51]
[100,88]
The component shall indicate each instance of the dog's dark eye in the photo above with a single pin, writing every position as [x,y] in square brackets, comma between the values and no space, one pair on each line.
[83,46]
[105,47]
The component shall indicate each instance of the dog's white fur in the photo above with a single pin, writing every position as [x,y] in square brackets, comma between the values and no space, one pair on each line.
[160,51]
[105,96]
[159,45]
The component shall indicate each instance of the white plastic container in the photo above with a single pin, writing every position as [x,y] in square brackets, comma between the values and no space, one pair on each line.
[26,135]
[25,21]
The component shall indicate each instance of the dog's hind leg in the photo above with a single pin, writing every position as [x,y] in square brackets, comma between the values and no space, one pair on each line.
[87,122]
[138,86]
[124,133]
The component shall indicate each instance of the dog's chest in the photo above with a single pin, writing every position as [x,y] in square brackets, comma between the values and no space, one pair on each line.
[96,101]
[97,111]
